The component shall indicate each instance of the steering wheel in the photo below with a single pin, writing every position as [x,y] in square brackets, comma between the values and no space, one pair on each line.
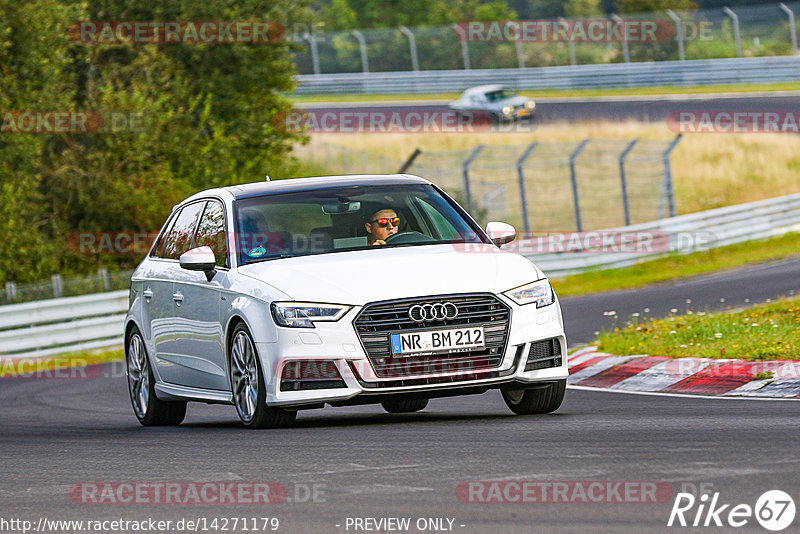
[401,238]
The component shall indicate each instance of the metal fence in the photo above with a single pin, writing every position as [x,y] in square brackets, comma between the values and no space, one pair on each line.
[692,232]
[96,321]
[573,185]
[746,31]
[66,286]
[57,326]
[645,74]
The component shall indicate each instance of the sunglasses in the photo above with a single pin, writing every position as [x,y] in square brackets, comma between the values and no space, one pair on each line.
[384,222]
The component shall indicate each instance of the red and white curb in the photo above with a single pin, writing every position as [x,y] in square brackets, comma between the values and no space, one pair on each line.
[691,376]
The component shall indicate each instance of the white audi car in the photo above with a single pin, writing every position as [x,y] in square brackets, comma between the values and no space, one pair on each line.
[288,295]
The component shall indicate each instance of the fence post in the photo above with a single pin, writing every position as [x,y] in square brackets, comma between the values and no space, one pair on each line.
[572,58]
[105,279]
[11,291]
[625,51]
[523,198]
[792,29]
[362,45]
[736,35]
[623,182]
[573,177]
[667,192]
[58,286]
[465,167]
[518,46]
[312,43]
[412,47]
[410,161]
[678,33]
[462,36]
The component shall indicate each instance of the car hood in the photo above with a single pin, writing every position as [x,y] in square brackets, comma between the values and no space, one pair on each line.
[513,101]
[359,277]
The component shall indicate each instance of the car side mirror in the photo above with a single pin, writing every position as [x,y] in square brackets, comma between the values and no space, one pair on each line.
[199,259]
[500,233]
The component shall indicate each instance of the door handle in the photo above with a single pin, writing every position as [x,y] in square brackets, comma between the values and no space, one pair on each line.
[147,293]
[177,297]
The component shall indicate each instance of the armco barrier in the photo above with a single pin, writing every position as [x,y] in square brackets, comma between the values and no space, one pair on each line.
[683,73]
[714,228]
[96,321]
[56,326]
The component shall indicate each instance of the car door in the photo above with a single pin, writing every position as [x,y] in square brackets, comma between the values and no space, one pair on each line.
[163,305]
[201,340]
[155,284]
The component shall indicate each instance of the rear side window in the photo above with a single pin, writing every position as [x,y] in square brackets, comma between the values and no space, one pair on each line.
[181,236]
[211,232]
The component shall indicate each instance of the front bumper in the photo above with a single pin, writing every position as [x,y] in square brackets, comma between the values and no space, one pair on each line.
[339,343]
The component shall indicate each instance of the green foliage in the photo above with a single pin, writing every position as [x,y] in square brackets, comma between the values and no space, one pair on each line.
[647,6]
[351,14]
[186,117]
[582,8]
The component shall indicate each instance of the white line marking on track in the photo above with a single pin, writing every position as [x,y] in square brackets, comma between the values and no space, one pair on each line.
[659,394]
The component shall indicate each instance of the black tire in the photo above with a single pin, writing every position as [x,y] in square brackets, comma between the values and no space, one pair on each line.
[261,415]
[404,406]
[536,400]
[149,409]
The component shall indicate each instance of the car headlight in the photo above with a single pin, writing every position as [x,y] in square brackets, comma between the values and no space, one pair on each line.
[508,110]
[305,314]
[538,292]
[530,104]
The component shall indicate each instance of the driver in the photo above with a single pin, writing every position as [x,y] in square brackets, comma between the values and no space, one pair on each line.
[380,225]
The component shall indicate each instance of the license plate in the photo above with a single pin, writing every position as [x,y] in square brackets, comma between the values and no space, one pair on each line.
[429,342]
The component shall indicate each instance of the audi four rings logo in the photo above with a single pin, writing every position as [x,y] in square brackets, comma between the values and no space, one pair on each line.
[440,311]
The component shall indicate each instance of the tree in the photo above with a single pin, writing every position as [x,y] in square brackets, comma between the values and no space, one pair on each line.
[359,14]
[648,6]
[205,116]
[582,8]
[35,68]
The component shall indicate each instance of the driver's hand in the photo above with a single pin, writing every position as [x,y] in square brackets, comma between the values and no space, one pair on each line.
[379,242]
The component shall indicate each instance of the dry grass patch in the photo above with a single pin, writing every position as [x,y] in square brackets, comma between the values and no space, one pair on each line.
[709,170]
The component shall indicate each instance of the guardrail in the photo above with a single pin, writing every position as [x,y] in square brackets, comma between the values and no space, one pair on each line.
[57,326]
[682,73]
[681,234]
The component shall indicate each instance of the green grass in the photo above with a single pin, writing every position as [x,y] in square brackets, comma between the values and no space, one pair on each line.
[763,332]
[559,93]
[31,366]
[677,266]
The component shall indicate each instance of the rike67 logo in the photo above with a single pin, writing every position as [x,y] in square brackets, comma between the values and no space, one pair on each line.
[774,510]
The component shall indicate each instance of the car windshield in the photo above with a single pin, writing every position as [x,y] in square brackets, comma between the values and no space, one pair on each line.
[495,96]
[347,218]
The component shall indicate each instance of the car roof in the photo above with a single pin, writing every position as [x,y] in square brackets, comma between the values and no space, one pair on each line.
[295,185]
[485,88]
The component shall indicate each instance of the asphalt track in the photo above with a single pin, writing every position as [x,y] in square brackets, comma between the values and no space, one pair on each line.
[644,108]
[365,463]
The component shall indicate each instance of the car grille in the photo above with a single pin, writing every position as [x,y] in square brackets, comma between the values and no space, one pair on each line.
[544,355]
[379,320]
